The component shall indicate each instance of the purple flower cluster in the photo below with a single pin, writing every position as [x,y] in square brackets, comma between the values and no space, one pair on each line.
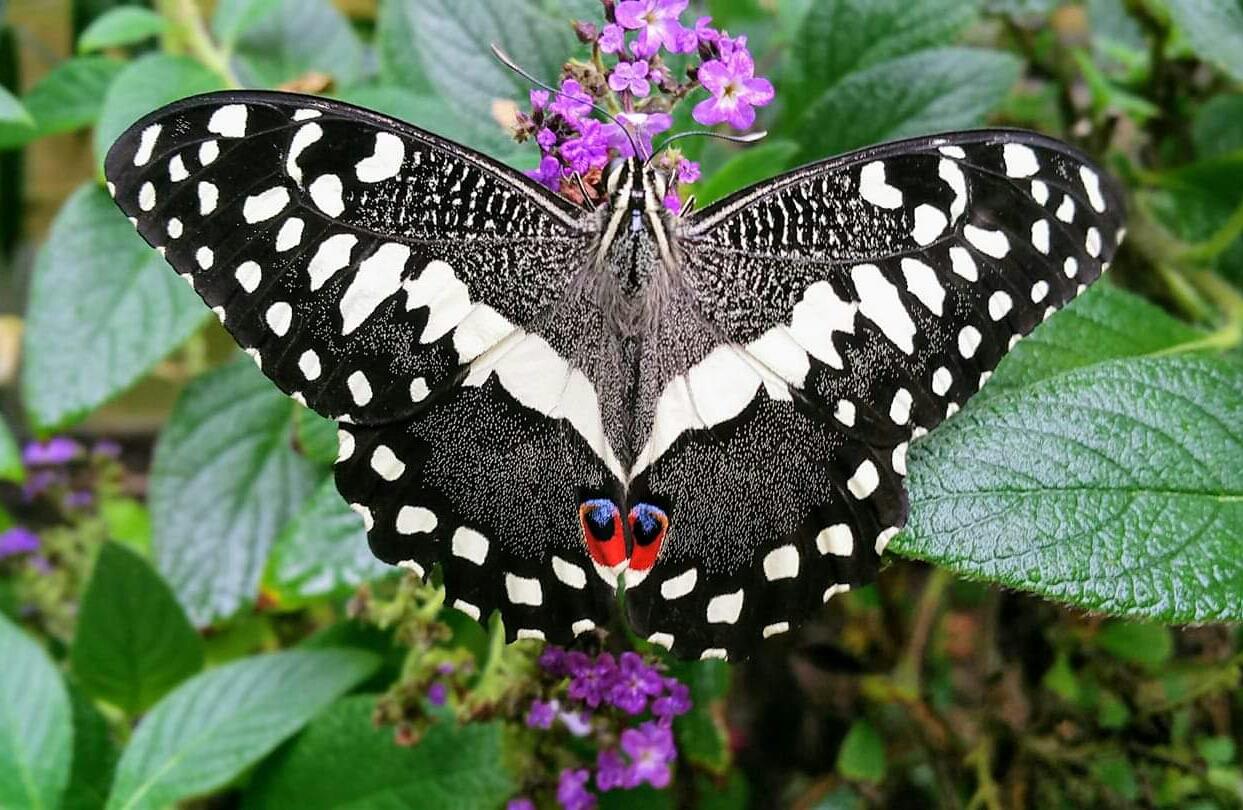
[640,90]
[615,691]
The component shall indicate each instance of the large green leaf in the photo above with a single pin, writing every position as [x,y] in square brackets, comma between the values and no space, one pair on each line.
[298,37]
[232,18]
[344,762]
[1217,128]
[12,111]
[224,482]
[400,65]
[1214,28]
[104,309]
[840,37]
[324,551]
[452,39]
[124,25]
[10,459]
[148,82]
[67,98]
[133,642]
[1105,323]
[221,722]
[95,756]
[36,735]
[929,91]
[1115,487]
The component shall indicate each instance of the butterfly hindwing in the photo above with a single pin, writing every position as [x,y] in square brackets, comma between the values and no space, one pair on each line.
[857,303]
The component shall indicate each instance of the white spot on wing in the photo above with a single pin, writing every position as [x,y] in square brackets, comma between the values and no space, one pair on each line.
[900,408]
[385,162]
[569,573]
[470,545]
[781,563]
[1040,235]
[845,412]
[921,281]
[999,305]
[326,193]
[681,585]
[879,303]
[837,539]
[248,274]
[290,234]
[386,463]
[262,207]
[332,256]
[415,520]
[662,639]
[776,628]
[146,144]
[279,317]
[467,608]
[302,139]
[865,480]
[874,189]
[229,121]
[146,196]
[726,608]
[969,341]
[942,379]
[446,297]
[930,223]
[309,365]
[208,152]
[177,169]
[209,195]
[523,590]
[963,265]
[1020,160]
[360,388]
[378,278]
[991,243]
[1092,185]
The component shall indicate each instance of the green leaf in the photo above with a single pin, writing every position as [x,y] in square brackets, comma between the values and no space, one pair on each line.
[317,437]
[453,37]
[701,737]
[221,722]
[400,65]
[1217,128]
[925,92]
[1137,642]
[128,522]
[324,550]
[1214,29]
[1113,770]
[10,459]
[133,642]
[224,482]
[296,38]
[862,755]
[1114,487]
[124,25]
[1105,323]
[148,82]
[232,18]
[749,166]
[344,762]
[12,111]
[104,308]
[840,37]
[68,98]
[36,735]
[94,756]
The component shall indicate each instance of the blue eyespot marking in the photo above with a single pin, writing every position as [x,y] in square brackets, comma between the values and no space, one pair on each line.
[600,512]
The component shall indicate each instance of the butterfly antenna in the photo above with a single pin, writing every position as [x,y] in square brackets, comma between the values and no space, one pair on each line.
[506,60]
[750,137]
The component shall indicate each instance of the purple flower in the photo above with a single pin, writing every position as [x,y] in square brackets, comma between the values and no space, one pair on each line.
[56,450]
[18,540]
[79,499]
[729,46]
[642,126]
[572,790]
[542,713]
[41,481]
[735,91]
[705,34]
[554,661]
[650,748]
[688,171]
[673,203]
[636,682]
[630,76]
[657,24]
[612,39]
[674,703]
[590,149]
[592,682]
[572,102]
[547,139]
[520,803]
[539,99]
[437,693]
[548,174]
[107,448]
[612,772]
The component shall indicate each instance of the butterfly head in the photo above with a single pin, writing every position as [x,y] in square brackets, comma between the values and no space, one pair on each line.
[637,186]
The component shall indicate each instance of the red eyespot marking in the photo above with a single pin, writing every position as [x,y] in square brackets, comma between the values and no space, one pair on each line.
[648,525]
[602,529]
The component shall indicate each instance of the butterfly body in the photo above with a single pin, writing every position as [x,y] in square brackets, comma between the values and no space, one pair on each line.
[542,399]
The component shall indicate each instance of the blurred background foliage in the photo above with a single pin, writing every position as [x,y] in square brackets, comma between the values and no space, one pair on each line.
[188,610]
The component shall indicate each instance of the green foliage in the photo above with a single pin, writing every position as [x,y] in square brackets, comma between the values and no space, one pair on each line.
[133,642]
[1098,467]
[224,481]
[124,25]
[344,761]
[221,722]
[103,310]
[36,738]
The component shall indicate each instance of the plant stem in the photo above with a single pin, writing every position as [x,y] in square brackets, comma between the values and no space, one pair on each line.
[907,674]
[190,32]
[1217,244]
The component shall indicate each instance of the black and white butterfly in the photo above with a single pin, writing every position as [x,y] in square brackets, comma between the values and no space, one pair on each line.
[714,408]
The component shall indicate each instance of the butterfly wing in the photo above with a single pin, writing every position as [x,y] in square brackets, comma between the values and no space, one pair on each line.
[401,284]
[855,304]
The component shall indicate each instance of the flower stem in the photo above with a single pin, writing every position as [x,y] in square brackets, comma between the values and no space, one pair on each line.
[190,34]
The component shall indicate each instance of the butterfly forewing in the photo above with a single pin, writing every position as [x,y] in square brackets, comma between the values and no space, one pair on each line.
[863,300]
[399,282]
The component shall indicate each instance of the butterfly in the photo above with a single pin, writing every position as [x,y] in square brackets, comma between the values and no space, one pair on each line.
[549,402]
